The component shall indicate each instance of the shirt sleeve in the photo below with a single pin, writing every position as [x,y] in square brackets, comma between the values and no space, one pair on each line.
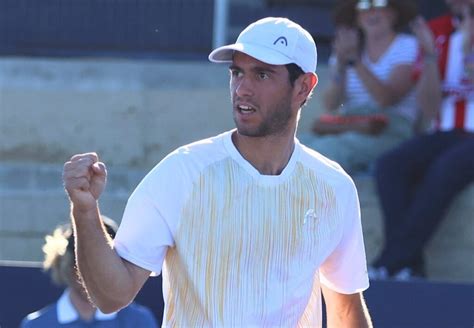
[152,211]
[345,270]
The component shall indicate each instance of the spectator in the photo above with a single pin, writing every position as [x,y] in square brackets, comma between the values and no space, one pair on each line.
[418,180]
[74,309]
[370,99]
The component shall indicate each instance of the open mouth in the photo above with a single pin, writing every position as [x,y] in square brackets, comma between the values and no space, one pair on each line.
[245,109]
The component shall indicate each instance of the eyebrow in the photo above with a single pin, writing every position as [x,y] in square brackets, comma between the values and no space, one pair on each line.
[255,68]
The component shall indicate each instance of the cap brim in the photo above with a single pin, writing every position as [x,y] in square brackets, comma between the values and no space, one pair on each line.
[225,54]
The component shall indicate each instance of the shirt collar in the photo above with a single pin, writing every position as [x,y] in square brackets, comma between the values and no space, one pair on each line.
[67,312]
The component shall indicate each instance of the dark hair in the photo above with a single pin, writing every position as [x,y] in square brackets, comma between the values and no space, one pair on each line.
[294,72]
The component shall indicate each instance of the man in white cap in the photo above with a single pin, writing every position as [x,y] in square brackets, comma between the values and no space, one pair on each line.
[247,227]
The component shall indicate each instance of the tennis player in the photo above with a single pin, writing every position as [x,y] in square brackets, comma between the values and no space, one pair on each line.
[246,227]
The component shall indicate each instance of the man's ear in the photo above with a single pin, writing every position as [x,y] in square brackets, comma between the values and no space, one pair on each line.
[314,80]
[305,85]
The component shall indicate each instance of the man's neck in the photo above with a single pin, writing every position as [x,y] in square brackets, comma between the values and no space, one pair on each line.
[269,155]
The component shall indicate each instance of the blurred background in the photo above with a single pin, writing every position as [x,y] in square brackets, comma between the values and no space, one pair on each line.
[130,80]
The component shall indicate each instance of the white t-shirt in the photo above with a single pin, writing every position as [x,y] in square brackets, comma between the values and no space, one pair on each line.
[402,51]
[241,248]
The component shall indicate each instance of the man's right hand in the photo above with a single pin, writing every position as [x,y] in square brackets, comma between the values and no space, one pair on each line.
[84,179]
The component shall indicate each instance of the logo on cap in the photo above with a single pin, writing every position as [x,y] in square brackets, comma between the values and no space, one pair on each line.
[282,40]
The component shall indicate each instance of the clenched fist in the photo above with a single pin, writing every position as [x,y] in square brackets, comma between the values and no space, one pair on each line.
[84,179]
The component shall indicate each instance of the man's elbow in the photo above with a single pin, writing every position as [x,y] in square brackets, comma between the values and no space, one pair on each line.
[112,304]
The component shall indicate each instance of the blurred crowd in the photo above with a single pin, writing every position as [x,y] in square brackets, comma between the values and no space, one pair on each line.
[400,106]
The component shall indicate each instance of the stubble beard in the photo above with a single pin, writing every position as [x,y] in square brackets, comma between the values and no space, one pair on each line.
[274,124]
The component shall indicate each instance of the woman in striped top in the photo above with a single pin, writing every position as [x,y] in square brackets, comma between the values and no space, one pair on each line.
[370,100]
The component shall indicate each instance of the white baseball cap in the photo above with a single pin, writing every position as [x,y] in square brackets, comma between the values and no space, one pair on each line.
[275,41]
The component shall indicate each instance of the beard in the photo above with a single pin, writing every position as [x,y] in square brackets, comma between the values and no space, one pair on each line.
[274,122]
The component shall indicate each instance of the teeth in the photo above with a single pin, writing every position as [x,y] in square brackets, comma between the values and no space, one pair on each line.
[245,108]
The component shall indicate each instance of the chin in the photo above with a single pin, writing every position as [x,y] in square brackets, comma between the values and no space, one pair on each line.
[246,129]
[249,132]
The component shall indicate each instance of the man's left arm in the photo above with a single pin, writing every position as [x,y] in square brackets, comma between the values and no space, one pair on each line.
[345,310]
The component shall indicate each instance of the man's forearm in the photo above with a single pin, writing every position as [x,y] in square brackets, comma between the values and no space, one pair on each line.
[104,273]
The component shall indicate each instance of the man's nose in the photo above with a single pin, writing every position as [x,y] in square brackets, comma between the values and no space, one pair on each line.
[244,87]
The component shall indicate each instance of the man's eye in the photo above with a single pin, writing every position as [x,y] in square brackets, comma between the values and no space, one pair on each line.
[235,73]
[263,76]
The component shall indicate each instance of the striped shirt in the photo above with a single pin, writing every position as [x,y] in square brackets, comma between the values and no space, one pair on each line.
[457,107]
[402,51]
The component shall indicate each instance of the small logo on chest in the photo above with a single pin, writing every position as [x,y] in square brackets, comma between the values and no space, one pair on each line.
[310,216]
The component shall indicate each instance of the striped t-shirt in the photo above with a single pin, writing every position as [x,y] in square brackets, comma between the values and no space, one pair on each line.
[457,74]
[402,51]
[457,107]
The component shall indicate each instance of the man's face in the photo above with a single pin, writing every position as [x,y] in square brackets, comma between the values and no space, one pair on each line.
[261,96]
